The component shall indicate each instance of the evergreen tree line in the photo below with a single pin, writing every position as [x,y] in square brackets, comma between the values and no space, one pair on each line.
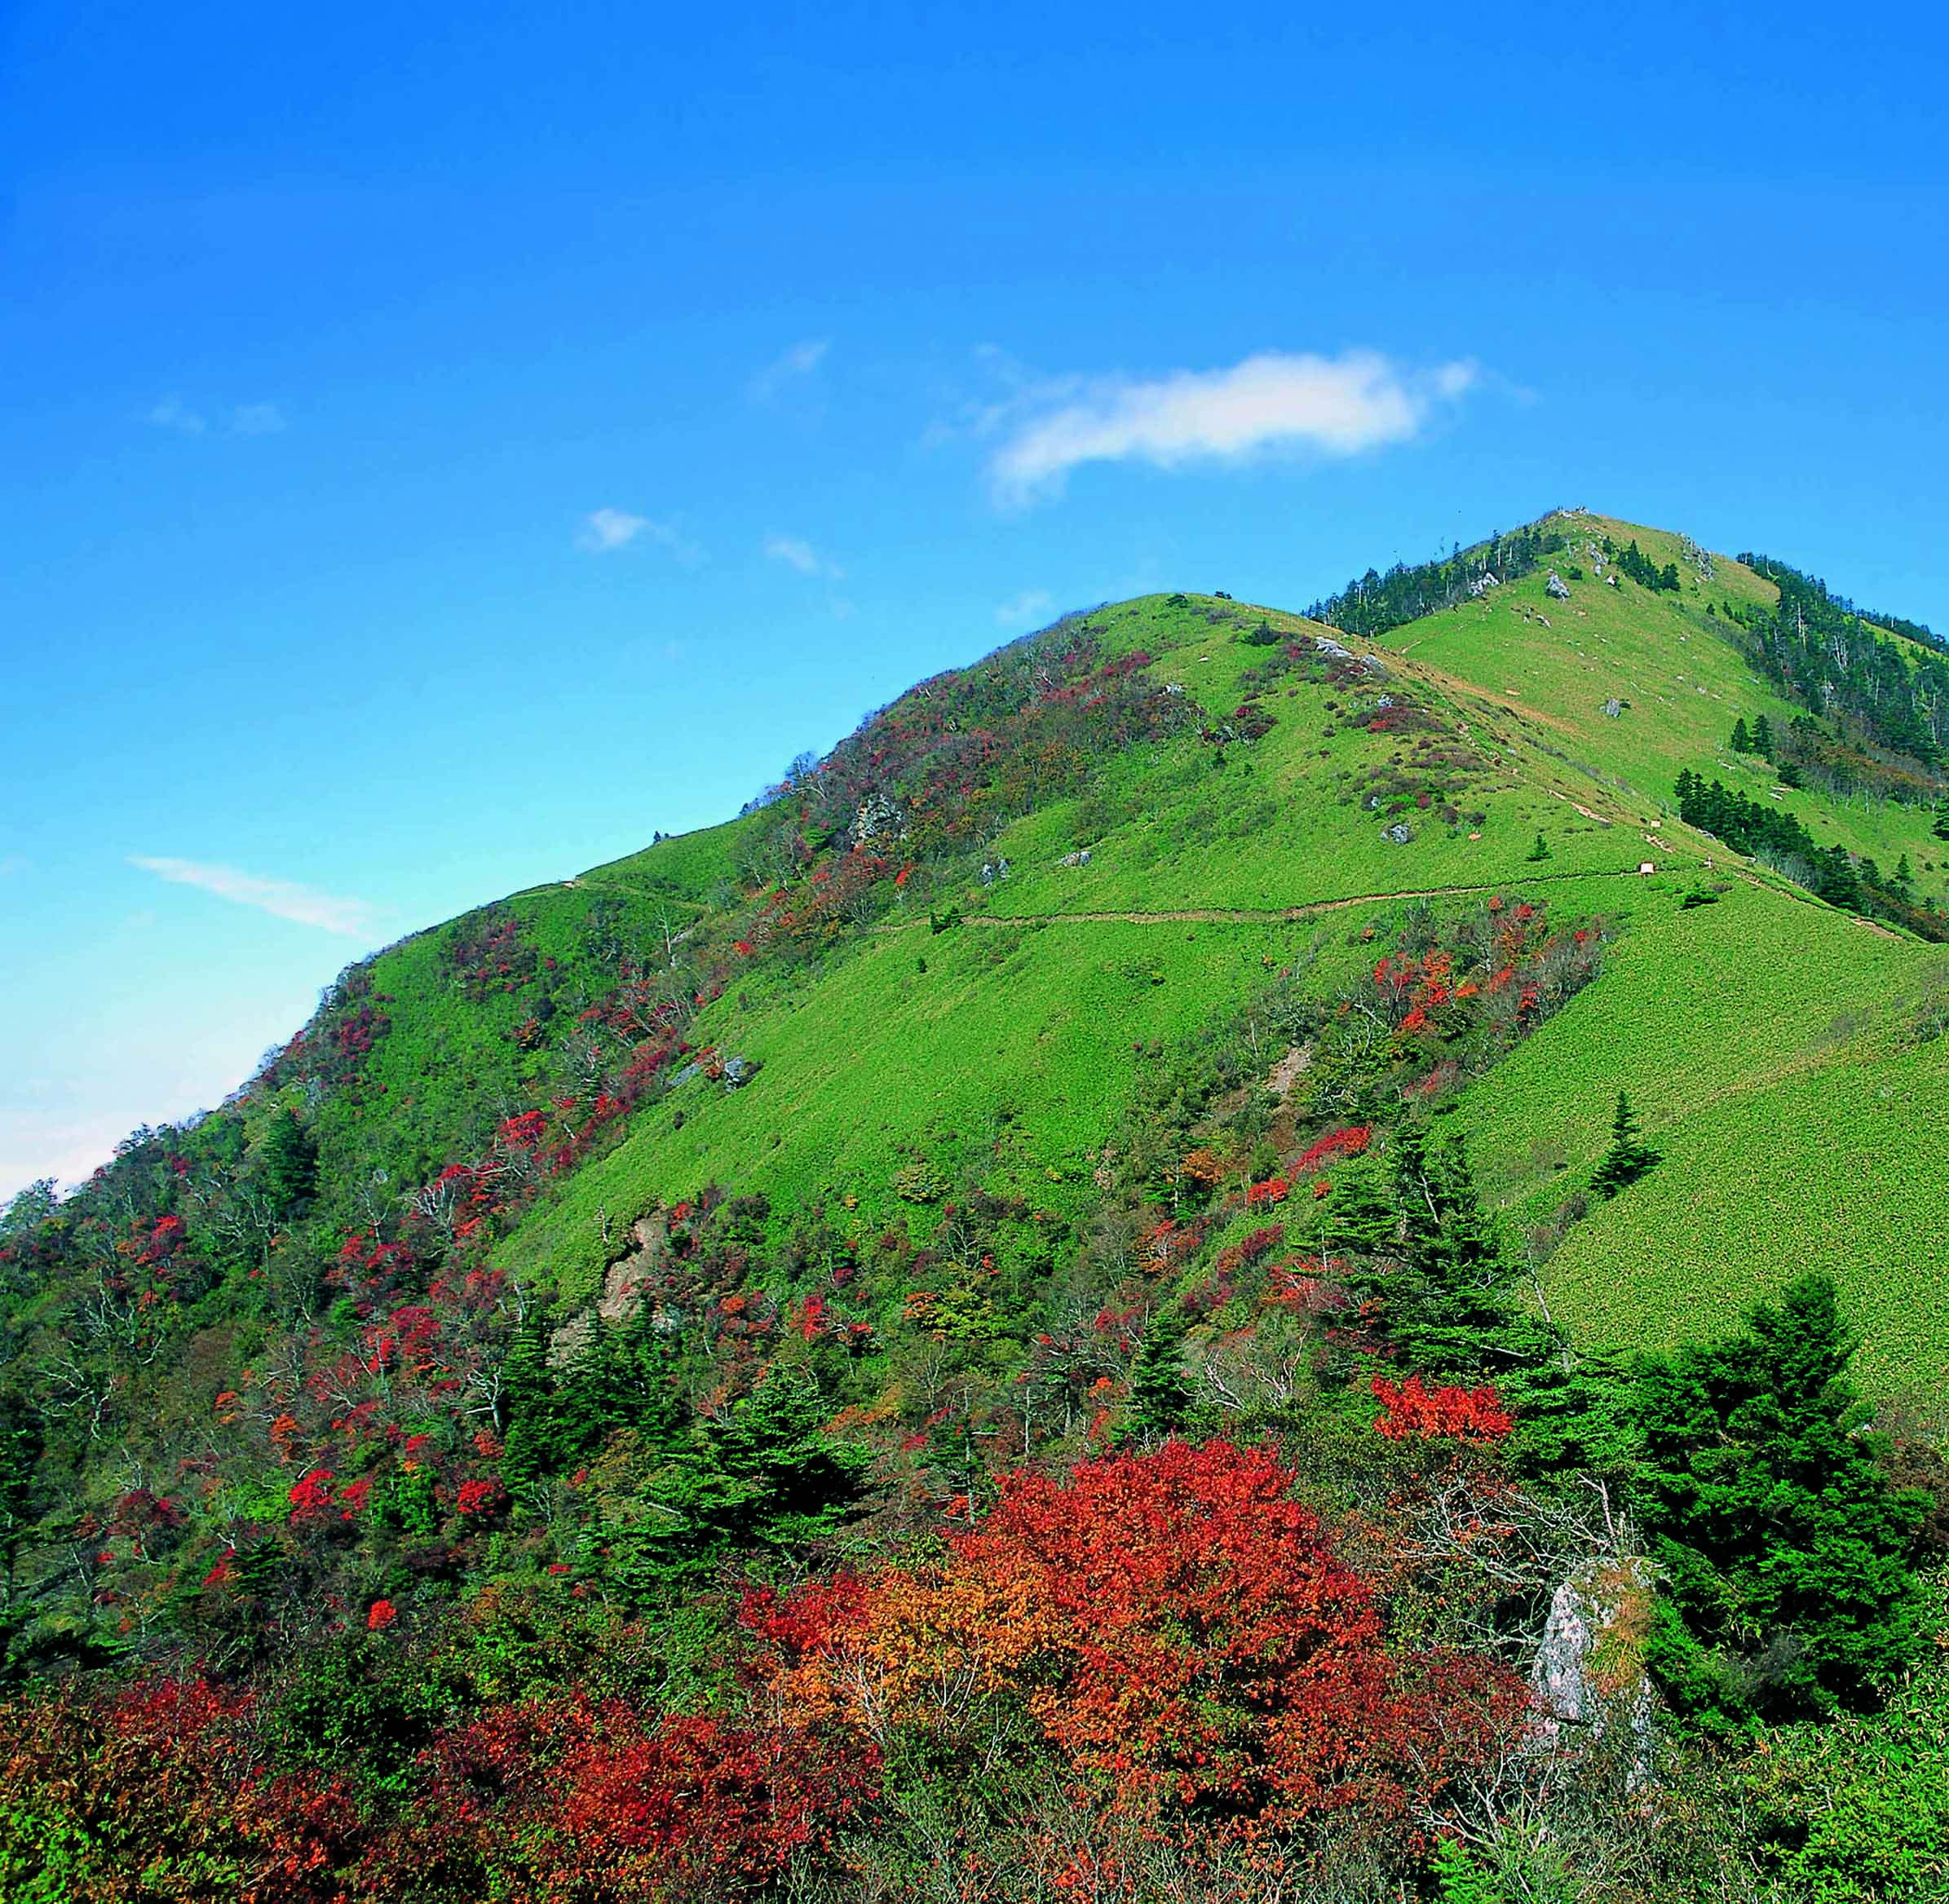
[1824,653]
[1372,603]
[1634,565]
[1748,826]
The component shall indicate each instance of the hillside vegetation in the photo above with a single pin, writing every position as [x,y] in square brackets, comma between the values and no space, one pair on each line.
[954,1225]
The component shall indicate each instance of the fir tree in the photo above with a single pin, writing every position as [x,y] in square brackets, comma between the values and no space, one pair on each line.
[1629,1158]
[1763,737]
[1540,851]
[287,1164]
[1941,828]
[1742,741]
[1161,1393]
[1445,1305]
[1785,1551]
[799,1485]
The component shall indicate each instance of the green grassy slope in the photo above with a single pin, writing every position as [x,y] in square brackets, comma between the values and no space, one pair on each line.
[1762,1049]
[1015,1041]
[1030,1012]
[1684,681]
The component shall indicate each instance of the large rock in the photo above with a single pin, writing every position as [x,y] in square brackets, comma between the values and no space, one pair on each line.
[1589,1674]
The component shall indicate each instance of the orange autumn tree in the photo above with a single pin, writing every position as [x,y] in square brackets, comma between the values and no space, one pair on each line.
[1174,1625]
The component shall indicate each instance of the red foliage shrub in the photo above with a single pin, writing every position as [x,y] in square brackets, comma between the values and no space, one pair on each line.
[695,1807]
[1350,1142]
[1180,1630]
[1411,1411]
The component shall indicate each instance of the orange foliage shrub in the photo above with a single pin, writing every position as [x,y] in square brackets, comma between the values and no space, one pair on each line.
[1175,1626]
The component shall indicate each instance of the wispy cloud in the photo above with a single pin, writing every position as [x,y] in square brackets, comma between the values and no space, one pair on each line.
[283,898]
[605,530]
[35,1144]
[796,552]
[256,420]
[1271,404]
[789,366]
[171,413]
[1025,610]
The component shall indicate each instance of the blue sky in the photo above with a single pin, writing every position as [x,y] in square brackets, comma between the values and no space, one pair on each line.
[442,446]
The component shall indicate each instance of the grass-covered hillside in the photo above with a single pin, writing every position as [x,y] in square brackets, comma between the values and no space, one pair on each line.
[1198,873]
[624,1304]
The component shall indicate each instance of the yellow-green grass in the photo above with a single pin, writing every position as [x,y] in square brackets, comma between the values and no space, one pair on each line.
[1758,1039]
[1685,681]
[1840,1167]
[1012,1055]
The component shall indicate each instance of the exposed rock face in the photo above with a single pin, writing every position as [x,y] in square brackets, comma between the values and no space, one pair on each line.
[1556,588]
[620,1294]
[878,818]
[1286,1073]
[1589,1674]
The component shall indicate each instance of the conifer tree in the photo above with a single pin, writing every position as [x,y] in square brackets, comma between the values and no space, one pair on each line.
[1359,1216]
[1785,1551]
[1763,737]
[1629,1158]
[1445,1306]
[1742,741]
[287,1162]
[1161,1392]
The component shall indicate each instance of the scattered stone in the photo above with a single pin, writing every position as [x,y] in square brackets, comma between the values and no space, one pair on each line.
[1080,857]
[1613,708]
[1400,833]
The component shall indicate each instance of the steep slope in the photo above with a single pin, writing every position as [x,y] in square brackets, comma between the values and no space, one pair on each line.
[1030,1012]
[1196,877]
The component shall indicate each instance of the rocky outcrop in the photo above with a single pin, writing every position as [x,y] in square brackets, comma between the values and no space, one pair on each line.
[1589,1675]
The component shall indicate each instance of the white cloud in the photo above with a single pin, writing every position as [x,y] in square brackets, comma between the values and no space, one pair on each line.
[1025,610]
[67,1147]
[796,552]
[171,413]
[1270,403]
[789,366]
[603,530]
[256,420]
[283,898]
